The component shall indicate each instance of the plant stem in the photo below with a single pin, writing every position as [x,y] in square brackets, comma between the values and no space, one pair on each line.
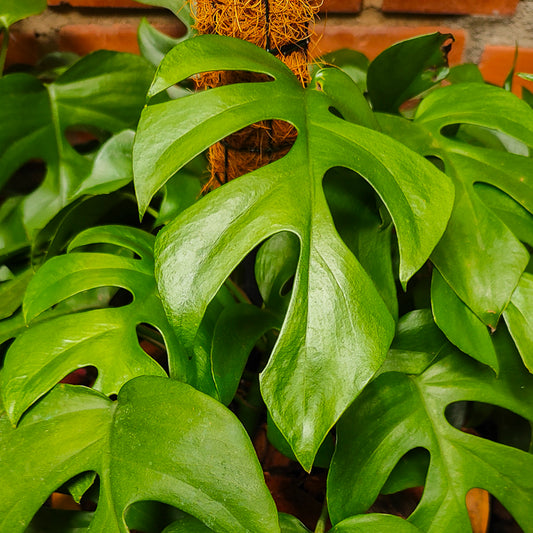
[322,521]
[3,51]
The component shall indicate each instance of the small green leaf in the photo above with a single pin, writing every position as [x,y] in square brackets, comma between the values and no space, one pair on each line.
[407,69]
[12,293]
[465,73]
[12,11]
[157,442]
[290,524]
[374,523]
[462,327]
[519,318]
[353,63]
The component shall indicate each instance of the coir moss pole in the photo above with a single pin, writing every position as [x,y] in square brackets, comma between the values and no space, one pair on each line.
[283,27]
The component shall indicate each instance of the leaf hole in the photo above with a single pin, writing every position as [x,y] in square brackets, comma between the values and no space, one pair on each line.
[287,286]
[490,422]
[85,376]
[121,298]
[151,516]
[410,472]
[249,149]
[26,179]
[334,111]
[478,506]
[501,520]
[437,162]
[83,139]
[152,342]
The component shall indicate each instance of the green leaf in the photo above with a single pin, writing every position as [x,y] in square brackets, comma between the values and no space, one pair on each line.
[153,43]
[103,92]
[372,523]
[237,330]
[519,318]
[12,11]
[417,343]
[467,72]
[180,8]
[407,69]
[397,413]
[157,442]
[13,238]
[12,292]
[527,96]
[49,350]
[353,63]
[187,524]
[478,256]
[290,524]
[334,301]
[462,327]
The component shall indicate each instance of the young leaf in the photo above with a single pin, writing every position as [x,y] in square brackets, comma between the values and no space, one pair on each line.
[407,69]
[372,523]
[49,350]
[35,117]
[334,302]
[460,324]
[397,413]
[157,442]
[519,318]
[12,11]
[478,256]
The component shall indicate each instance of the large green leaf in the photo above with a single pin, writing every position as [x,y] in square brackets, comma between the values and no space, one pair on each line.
[334,301]
[337,328]
[12,11]
[372,523]
[105,338]
[399,412]
[162,441]
[103,92]
[478,256]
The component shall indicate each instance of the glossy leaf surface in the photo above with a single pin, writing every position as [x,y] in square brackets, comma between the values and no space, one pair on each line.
[49,350]
[407,69]
[372,523]
[322,345]
[478,256]
[519,319]
[104,93]
[397,413]
[207,470]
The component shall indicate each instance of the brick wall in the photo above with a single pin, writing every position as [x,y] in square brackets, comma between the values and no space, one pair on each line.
[485,30]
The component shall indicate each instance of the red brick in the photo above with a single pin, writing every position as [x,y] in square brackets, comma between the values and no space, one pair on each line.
[99,3]
[23,47]
[332,6]
[372,40]
[496,63]
[85,38]
[452,7]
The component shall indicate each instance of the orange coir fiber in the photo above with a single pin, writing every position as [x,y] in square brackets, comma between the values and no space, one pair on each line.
[282,27]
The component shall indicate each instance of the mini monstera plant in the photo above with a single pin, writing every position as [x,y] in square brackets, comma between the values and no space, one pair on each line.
[367,298]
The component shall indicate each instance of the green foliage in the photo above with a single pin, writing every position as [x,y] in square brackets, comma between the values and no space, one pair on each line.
[209,471]
[364,304]
[191,251]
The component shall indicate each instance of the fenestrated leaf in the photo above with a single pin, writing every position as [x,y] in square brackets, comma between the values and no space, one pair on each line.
[397,413]
[105,91]
[478,256]
[460,324]
[407,69]
[519,318]
[157,442]
[372,523]
[337,328]
[49,350]
[12,11]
